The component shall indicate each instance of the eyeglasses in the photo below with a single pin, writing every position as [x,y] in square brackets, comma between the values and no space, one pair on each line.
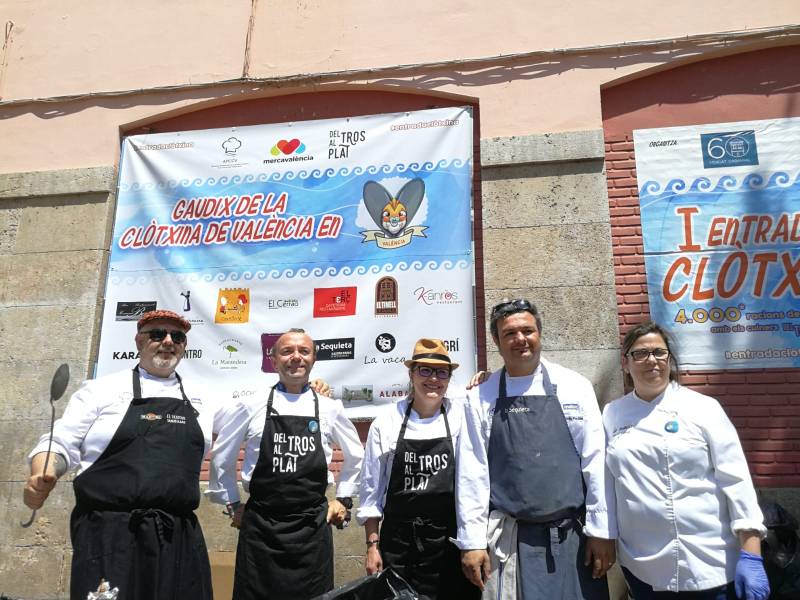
[428,371]
[643,355]
[178,336]
[511,306]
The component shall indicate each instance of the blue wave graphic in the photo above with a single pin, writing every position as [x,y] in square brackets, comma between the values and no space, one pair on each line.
[652,190]
[387,170]
[245,274]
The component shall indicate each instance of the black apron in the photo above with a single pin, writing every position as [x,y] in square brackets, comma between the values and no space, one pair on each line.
[419,517]
[285,548]
[133,523]
[535,474]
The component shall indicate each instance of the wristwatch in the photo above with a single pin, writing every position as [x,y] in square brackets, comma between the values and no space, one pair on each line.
[347,502]
[231,508]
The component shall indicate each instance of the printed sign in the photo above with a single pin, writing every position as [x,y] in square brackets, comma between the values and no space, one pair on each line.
[720,209]
[357,230]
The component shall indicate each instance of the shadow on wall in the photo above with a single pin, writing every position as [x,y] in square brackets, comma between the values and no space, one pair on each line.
[464,73]
[770,74]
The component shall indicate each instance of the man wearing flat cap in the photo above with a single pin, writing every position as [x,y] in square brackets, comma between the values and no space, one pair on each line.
[136,440]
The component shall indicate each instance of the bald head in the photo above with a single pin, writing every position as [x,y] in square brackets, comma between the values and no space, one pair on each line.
[292,357]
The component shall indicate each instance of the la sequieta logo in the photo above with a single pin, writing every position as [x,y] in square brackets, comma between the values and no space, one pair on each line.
[132,311]
[233,306]
[393,214]
[386,297]
[335,349]
[335,302]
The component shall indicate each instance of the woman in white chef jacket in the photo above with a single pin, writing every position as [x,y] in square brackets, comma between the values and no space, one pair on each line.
[408,482]
[689,522]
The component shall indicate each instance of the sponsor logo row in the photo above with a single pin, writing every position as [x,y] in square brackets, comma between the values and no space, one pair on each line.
[233,304]
[340,143]
[226,355]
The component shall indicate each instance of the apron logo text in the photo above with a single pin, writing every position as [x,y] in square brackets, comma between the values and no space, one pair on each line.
[419,469]
[286,449]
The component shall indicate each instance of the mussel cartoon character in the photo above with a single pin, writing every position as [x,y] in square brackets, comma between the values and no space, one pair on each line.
[392,214]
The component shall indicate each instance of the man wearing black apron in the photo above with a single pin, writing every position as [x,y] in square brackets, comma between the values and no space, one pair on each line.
[139,442]
[285,547]
[531,474]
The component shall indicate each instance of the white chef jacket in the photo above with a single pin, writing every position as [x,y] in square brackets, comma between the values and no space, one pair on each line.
[95,411]
[243,421]
[581,411]
[382,443]
[681,496]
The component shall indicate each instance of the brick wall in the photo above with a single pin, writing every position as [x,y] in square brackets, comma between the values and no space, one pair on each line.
[764,404]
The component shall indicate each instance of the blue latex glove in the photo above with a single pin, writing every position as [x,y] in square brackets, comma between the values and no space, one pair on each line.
[751,579]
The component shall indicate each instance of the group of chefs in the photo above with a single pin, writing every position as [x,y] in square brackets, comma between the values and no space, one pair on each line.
[520,489]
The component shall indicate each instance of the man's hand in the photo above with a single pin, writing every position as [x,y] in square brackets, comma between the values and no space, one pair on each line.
[236,517]
[321,387]
[40,484]
[600,554]
[476,566]
[373,561]
[337,513]
[478,379]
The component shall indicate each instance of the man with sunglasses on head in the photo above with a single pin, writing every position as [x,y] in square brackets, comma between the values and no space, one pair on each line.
[137,439]
[535,515]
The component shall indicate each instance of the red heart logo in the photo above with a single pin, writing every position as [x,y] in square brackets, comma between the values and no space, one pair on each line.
[288,147]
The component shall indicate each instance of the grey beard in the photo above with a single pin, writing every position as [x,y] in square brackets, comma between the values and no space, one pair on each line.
[165,363]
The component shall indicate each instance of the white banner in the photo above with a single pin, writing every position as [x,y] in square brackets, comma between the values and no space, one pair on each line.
[720,208]
[357,230]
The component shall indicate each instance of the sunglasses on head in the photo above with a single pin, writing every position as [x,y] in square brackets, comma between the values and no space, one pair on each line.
[441,373]
[511,306]
[178,336]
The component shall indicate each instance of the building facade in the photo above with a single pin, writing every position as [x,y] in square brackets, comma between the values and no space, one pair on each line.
[556,90]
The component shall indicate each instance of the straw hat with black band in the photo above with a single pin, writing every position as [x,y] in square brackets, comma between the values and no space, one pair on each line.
[430,351]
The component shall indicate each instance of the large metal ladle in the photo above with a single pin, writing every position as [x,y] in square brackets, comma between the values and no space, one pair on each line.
[58,386]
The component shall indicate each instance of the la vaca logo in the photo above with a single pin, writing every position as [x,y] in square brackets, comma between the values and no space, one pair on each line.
[385,342]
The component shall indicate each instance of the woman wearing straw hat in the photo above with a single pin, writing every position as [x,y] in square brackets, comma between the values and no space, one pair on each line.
[408,481]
